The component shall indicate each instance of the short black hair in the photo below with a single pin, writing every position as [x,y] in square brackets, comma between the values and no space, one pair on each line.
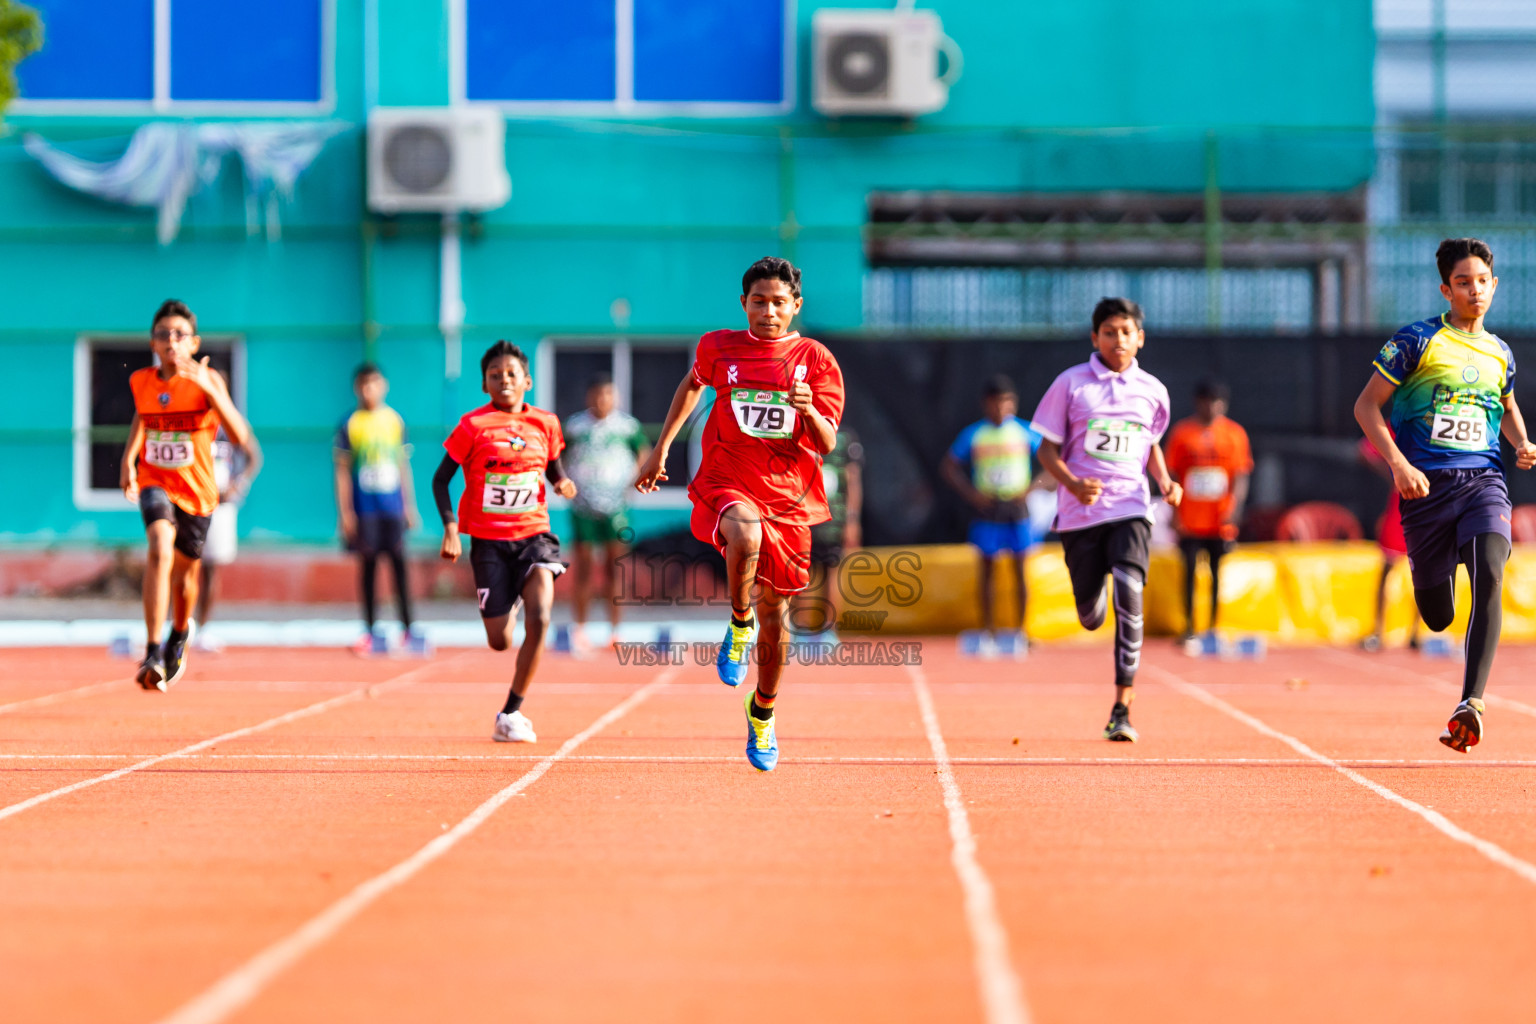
[174,307]
[1212,390]
[599,380]
[498,351]
[772,268]
[998,384]
[366,369]
[1109,307]
[1453,250]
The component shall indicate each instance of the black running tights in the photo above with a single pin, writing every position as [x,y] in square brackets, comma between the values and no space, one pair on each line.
[1126,582]
[1484,556]
[370,565]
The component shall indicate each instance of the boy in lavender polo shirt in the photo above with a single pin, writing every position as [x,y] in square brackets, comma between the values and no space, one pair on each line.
[1101,422]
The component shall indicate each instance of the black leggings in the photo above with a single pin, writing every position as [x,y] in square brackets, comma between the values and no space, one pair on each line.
[1214,548]
[370,565]
[1126,584]
[1484,556]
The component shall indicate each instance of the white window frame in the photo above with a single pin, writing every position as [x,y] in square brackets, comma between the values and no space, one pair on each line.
[163,103]
[624,103]
[101,499]
[544,384]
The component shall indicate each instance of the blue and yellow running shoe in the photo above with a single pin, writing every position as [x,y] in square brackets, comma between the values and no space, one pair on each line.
[736,652]
[762,743]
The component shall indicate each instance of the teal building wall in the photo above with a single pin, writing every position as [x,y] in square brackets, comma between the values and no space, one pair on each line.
[664,214]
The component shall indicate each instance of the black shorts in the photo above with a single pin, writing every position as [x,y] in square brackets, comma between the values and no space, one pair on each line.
[1091,553]
[502,567]
[1462,504]
[191,530]
[378,535]
[827,545]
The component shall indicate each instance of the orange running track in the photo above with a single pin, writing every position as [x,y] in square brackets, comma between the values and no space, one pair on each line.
[298,835]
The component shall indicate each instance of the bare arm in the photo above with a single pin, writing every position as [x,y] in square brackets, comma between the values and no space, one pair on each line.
[1378,391]
[1085,489]
[1239,497]
[954,475]
[212,384]
[1513,428]
[128,472]
[344,511]
[1173,491]
[654,469]
[407,488]
[822,432]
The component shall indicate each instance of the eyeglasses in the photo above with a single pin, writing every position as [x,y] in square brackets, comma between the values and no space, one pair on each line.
[168,334]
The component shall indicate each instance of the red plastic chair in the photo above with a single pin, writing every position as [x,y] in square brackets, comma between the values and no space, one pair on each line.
[1318,520]
[1522,524]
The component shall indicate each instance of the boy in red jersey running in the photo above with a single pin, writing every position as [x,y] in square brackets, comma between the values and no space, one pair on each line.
[507,448]
[168,471]
[759,487]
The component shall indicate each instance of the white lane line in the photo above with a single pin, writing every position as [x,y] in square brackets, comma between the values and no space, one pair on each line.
[246,982]
[1002,993]
[1443,685]
[1128,762]
[64,695]
[1492,851]
[372,689]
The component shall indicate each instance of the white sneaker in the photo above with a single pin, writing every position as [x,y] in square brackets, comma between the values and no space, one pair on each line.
[513,728]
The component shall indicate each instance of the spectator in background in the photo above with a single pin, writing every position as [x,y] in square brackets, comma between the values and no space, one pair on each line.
[842,470]
[1394,548]
[1209,455]
[989,465]
[606,447]
[375,502]
[234,469]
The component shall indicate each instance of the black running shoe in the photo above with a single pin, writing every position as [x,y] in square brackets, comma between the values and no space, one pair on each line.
[1465,729]
[175,657]
[1120,729]
[151,674]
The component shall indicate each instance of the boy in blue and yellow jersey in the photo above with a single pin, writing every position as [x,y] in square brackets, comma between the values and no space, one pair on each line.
[1451,386]
[375,502]
[989,465]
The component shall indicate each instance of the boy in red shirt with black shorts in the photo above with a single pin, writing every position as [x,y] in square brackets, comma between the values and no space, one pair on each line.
[759,487]
[507,449]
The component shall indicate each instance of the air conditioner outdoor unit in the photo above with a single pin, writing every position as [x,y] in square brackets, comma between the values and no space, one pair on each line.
[882,62]
[437,159]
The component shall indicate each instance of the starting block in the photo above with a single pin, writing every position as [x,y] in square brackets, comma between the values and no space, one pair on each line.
[120,647]
[978,643]
[1243,648]
[1439,647]
[562,640]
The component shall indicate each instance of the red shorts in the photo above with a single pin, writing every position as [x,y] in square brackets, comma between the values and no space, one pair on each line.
[1389,530]
[783,561]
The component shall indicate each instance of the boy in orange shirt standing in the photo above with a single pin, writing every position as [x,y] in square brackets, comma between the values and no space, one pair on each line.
[168,470]
[1209,455]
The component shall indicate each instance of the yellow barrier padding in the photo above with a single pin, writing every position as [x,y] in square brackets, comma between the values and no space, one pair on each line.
[1288,593]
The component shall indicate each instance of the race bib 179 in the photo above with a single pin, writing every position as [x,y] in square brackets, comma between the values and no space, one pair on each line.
[1116,440]
[763,413]
[1460,426]
[510,493]
[168,449]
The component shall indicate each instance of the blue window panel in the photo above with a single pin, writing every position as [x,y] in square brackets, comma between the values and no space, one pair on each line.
[92,50]
[548,50]
[721,51]
[246,50]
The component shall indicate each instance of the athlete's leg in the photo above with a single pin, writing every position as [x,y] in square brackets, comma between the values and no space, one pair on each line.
[1215,552]
[1381,599]
[581,582]
[613,551]
[984,591]
[538,600]
[741,531]
[1190,550]
[771,609]
[161,535]
[184,578]
[1127,582]
[1437,603]
[1484,556]
[204,609]
[1021,586]
[368,569]
[398,572]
